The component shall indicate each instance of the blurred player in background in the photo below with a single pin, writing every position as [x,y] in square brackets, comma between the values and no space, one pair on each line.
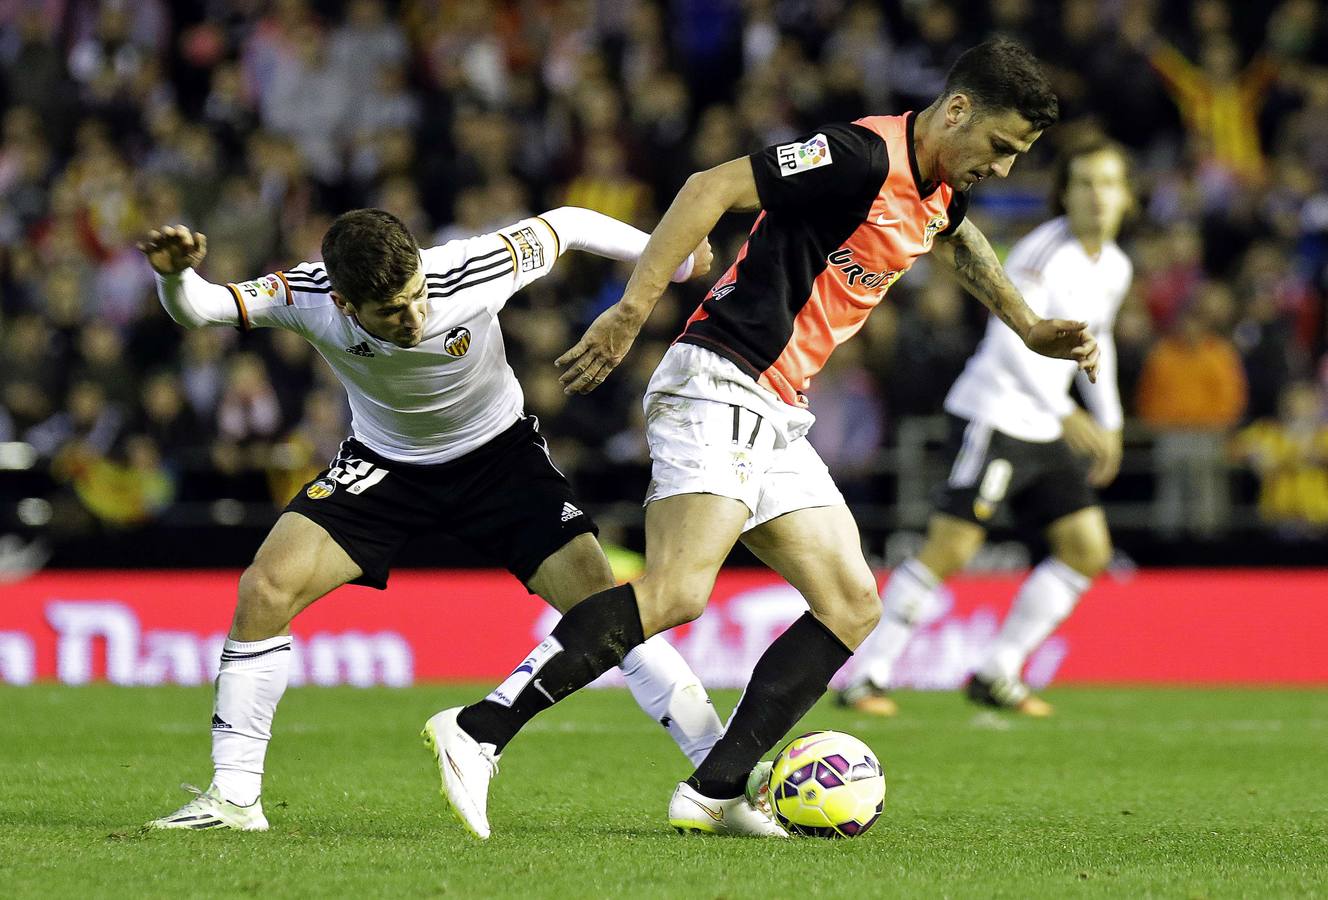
[1017,437]
[440,445]
[845,212]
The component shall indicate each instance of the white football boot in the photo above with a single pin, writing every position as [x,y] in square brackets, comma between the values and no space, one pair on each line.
[466,767]
[690,812]
[208,810]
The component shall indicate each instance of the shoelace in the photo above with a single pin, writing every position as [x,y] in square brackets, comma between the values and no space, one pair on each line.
[200,797]
[489,758]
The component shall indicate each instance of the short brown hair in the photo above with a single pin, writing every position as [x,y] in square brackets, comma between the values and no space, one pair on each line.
[1000,74]
[1086,144]
[370,254]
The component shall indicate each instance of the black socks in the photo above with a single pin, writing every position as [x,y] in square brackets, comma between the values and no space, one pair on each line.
[599,631]
[592,638]
[789,678]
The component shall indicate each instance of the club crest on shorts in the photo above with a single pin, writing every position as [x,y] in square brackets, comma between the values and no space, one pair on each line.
[457,341]
[320,489]
[742,466]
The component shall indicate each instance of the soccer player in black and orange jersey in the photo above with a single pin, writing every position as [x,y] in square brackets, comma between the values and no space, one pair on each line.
[845,212]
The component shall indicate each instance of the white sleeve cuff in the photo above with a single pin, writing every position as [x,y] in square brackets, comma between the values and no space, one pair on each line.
[193,301]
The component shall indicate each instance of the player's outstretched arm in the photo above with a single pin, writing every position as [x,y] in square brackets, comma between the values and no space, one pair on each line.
[592,232]
[703,199]
[967,253]
[174,251]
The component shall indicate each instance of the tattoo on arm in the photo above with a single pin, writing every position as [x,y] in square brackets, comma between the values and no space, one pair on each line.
[980,273]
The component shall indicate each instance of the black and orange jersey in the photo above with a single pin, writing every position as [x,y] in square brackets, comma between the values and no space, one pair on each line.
[844,214]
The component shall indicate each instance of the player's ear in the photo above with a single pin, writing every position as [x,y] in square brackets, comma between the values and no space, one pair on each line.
[958,109]
[342,303]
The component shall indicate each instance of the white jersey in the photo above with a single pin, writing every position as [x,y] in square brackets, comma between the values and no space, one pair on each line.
[454,391]
[1024,394]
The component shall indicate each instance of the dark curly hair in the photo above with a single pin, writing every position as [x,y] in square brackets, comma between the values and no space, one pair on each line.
[370,255]
[999,74]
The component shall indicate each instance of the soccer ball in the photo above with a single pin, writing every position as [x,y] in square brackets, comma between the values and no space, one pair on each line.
[827,784]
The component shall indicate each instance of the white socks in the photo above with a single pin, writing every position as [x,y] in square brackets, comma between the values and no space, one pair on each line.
[671,694]
[252,679]
[907,595]
[1045,598]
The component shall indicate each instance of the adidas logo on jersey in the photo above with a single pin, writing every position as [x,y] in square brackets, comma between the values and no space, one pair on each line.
[360,349]
[219,722]
[570,512]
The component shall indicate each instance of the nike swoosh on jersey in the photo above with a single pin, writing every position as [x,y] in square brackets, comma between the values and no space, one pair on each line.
[882,220]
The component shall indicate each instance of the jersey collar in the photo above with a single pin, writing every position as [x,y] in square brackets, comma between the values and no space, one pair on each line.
[924,190]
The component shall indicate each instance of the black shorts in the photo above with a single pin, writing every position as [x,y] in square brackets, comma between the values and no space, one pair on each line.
[1041,481]
[505,498]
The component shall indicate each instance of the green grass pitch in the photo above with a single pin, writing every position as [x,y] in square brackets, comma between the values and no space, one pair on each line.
[1125,793]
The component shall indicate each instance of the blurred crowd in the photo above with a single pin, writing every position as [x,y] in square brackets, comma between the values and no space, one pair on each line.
[256,121]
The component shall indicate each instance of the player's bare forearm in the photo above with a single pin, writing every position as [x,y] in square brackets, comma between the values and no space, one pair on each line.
[703,199]
[698,206]
[968,254]
[975,264]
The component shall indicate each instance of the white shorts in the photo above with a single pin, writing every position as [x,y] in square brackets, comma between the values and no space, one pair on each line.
[713,430]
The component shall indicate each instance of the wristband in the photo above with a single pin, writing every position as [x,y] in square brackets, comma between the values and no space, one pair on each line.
[684,271]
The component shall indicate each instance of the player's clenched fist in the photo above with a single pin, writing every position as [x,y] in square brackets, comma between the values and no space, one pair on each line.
[702,259]
[174,248]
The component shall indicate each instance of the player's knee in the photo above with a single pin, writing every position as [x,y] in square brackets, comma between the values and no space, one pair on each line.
[686,605]
[855,614]
[264,604]
[946,561]
[665,606]
[866,608]
[949,550]
[1095,559]
[1087,555]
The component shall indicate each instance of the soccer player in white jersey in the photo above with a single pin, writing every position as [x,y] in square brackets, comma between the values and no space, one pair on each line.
[1018,437]
[438,428]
